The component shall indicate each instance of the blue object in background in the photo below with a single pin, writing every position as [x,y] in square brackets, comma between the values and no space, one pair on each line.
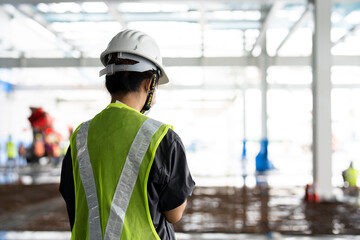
[5,86]
[262,161]
[243,155]
[191,147]
[244,161]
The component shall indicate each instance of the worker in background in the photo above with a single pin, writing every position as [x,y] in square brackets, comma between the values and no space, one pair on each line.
[22,154]
[39,146]
[125,176]
[350,175]
[11,151]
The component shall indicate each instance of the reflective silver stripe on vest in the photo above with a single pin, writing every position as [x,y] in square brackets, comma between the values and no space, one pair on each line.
[88,181]
[128,178]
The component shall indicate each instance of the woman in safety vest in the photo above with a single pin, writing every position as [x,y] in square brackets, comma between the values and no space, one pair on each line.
[125,176]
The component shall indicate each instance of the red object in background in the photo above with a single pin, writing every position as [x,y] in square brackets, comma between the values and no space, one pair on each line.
[49,131]
[40,119]
[310,194]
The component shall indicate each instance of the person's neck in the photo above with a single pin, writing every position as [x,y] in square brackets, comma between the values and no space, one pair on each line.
[133,100]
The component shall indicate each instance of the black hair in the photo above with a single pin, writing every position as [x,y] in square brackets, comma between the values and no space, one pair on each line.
[125,82]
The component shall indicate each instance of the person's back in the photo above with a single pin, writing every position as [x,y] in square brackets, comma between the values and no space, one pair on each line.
[125,175]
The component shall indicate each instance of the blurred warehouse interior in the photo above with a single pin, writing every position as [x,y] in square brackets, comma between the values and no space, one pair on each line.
[241,72]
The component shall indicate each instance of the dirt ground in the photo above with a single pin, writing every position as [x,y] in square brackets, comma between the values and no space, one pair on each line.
[210,209]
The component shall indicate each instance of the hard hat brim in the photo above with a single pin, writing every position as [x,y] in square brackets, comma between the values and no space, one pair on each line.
[162,80]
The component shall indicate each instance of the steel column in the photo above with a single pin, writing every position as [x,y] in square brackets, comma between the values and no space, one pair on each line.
[321,88]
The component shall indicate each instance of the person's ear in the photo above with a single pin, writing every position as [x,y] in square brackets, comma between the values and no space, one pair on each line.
[148,84]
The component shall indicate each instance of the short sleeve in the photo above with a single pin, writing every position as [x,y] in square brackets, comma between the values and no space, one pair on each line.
[178,183]
[66,187]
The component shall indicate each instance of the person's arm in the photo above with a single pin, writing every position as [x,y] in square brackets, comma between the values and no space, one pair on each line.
[66,188]
[179,184]
[174,215]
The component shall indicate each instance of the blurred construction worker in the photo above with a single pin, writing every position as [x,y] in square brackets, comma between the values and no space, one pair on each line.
[125,176]
[22,154]
[350,175]
[11,151]
[39,146]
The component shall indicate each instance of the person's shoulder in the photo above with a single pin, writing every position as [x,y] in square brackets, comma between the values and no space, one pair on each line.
[172,137]
[171,142]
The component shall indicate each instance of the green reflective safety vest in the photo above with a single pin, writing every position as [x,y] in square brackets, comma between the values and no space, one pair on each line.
[112,156]
[11,150]
[351,176]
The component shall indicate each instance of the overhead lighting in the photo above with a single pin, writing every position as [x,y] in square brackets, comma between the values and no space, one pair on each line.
[174,7]
[139,7]
[65,7]
[252,15]
[95,7]
[42,7]
[152,7]
[238,15]
[353,17]
[335,17]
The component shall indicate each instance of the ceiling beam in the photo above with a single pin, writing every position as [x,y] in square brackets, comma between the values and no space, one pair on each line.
[166,1]
[171,87]
[176,62]
[304,17]
[352,31]
[168,87]
[265,25]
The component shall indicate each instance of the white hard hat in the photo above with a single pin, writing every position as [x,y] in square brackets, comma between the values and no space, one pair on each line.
[132,42]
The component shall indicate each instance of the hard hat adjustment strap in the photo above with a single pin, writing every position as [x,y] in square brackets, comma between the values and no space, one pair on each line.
[142,65]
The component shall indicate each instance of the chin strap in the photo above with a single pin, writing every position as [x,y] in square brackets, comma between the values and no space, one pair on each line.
[150,94]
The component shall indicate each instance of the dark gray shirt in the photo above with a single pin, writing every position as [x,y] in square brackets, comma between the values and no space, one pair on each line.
[169,183]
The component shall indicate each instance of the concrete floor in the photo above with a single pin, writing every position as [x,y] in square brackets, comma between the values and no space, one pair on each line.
[27,235]
[44,198]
